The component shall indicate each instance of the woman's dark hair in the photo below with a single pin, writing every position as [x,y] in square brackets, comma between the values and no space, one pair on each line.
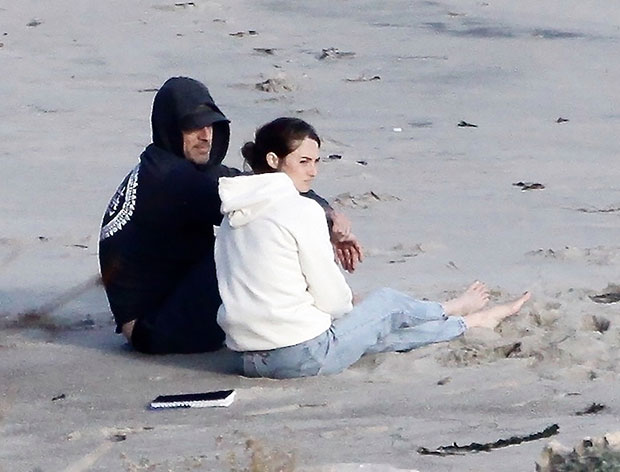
[280,136]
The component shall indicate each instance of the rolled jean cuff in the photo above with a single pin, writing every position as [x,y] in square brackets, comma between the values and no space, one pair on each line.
[462,323]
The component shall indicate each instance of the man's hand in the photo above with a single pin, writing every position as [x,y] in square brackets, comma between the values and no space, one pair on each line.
[348,252]
[341,226]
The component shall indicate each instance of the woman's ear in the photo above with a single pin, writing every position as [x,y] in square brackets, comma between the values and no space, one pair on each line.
[272,160]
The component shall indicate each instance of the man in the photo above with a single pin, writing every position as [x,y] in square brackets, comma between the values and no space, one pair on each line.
[156,242]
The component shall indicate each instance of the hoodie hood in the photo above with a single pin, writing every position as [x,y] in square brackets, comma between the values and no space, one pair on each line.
[247,197]
[176,101]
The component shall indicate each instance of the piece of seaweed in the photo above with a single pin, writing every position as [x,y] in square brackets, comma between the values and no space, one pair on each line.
[455,449]
[613,297]
[592,409]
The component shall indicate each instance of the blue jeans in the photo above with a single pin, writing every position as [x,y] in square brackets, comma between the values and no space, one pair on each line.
[385,321]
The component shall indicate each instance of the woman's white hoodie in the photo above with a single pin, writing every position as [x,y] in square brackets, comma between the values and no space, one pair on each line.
[277,276]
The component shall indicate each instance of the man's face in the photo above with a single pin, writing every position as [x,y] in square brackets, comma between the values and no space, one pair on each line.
[197,144]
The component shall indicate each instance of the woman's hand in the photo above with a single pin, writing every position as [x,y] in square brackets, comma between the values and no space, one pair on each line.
[347,249]
[348,252]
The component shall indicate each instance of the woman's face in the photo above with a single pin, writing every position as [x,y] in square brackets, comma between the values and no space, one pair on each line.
[302,164]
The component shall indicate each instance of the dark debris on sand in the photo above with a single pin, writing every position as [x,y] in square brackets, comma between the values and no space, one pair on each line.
[593,409]
[242,34]
[529,186]
[455,449]
[612,297]
[335,53]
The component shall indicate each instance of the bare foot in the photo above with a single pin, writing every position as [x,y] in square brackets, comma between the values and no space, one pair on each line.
[491,317]
[472,300]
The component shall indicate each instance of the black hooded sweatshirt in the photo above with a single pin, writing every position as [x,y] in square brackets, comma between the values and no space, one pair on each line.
[159,223]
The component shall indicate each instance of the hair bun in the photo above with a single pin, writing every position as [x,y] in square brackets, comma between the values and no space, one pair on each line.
[248,151]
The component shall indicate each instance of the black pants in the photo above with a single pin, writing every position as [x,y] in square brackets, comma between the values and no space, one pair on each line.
[186,322]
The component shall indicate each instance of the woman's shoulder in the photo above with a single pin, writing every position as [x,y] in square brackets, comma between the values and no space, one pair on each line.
[302,206]
[298,214]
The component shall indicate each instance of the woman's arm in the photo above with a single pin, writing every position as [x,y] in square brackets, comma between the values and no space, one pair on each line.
[347,248]
[326,283]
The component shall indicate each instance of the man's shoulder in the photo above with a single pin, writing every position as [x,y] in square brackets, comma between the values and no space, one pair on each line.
[220,170]
[177,175]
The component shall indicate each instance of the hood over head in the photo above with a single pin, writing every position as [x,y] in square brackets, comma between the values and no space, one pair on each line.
[181,104]
[245,198]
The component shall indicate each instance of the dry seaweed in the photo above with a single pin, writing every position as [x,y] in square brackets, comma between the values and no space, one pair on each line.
[611,297]
[529,186]
[465,124]
[592,409]
[455,449]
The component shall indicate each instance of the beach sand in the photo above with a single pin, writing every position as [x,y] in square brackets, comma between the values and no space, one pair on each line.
[434,203]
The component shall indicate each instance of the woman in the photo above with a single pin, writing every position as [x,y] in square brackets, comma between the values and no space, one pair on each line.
[286,306]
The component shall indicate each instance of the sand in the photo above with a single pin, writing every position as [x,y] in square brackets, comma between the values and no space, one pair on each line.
[434,203]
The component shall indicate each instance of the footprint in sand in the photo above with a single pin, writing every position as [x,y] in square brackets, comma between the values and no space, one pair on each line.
[364,200]
[265,51]
[596,323]
[350,467]
[363,78]
[275,85]
[396,254]
[278,84]
[589,454]
[599,255]
[335,53]
[307,111]
[610,209]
